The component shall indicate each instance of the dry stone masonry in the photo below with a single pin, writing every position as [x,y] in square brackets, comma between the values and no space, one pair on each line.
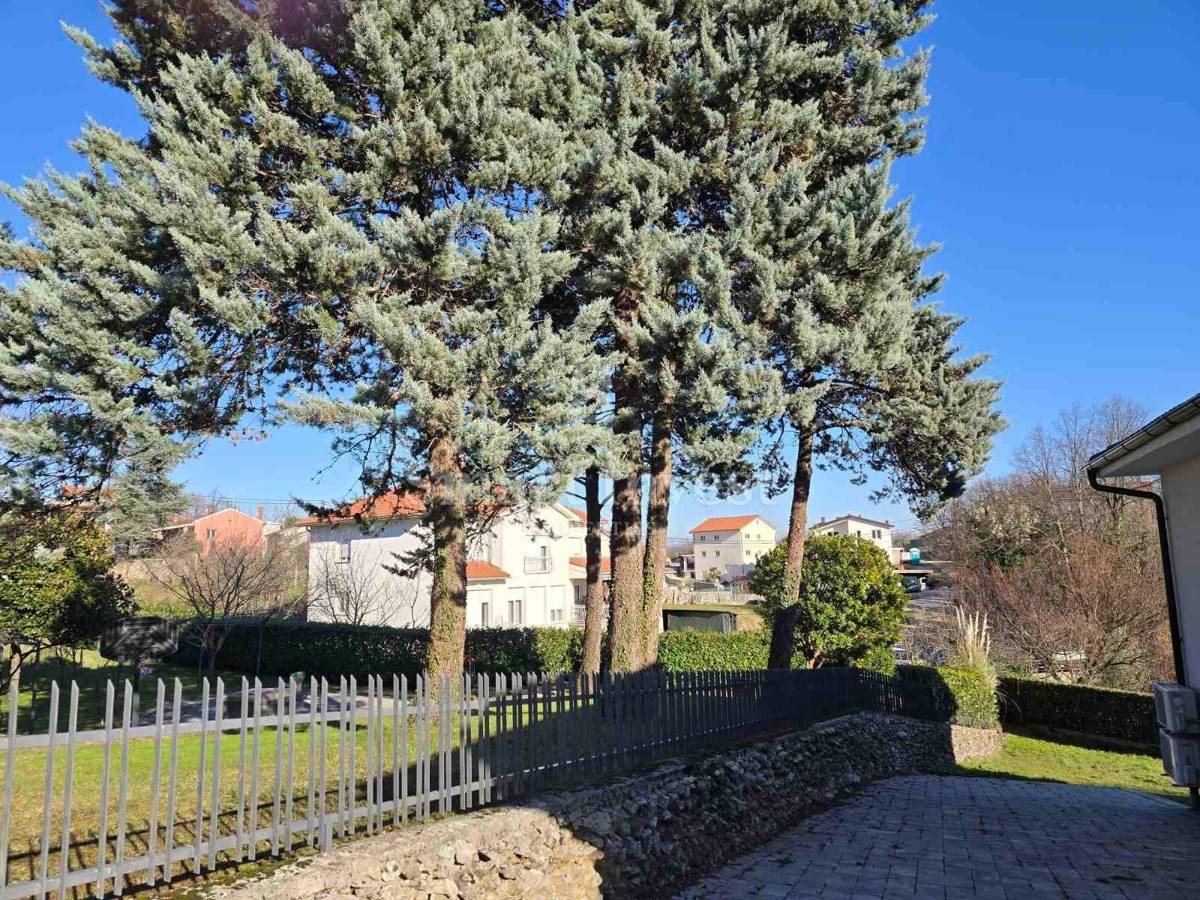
[645,835]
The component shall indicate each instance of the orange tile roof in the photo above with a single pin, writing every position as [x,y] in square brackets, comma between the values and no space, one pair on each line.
[581,562]
[392,505]
[580,514]
[480,570]
[725,523]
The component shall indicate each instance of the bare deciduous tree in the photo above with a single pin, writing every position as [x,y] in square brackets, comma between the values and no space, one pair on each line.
[1082,612]
[1070,577]
[223,581]
[358,593]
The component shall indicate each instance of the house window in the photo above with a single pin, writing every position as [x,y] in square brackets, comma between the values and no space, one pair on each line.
[515,612]
[539,563]
[344,550]
[210,534]
[704,553]
[556,615]
[485,614]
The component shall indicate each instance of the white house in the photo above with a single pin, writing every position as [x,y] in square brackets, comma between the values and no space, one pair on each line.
[522,571]
[873,530]
[731,544]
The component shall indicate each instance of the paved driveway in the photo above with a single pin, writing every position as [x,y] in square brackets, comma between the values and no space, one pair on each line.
[929,837]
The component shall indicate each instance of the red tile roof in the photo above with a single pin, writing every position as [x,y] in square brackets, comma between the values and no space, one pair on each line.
[392,505]
[479,570]
[580,514]
[581,562]
[725,523]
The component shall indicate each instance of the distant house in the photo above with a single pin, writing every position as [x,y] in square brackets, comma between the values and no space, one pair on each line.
[219,527]
[525,570]
[731,544]
[874,530]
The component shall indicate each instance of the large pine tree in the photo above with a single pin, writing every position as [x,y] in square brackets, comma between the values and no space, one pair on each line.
[642,85]
[831,273]
[330,216]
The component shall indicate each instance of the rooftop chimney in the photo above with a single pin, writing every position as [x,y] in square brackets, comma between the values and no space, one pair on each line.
[262,512]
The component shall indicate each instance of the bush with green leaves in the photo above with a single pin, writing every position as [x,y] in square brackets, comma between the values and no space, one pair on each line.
[323,648]
[851,603]
[56,587]
[686,651]
[962,696]
[1100,712]
[280,648]
[524,649]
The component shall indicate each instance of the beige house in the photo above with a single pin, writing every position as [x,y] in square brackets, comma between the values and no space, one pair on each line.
[873,530]
[731,544]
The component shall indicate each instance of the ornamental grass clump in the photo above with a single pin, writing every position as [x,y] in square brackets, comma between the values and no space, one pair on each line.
[973,644]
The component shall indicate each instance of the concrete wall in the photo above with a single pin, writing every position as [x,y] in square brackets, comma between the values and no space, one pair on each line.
[1181,493]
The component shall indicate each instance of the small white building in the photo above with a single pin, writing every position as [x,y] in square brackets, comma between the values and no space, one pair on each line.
[731,544]
[877,532]
[525,570]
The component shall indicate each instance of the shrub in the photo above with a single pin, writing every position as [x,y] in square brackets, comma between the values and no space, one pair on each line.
[962,696]
[524,649]
[326,648]
[316,648]
[1101,712]
[323,648]
[681,651]
[851,602]
[56,588]
[878,659]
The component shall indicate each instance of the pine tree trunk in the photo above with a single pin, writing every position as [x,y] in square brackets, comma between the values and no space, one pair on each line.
[783,629]
[657,513]
[448,595]
[624,628]
[593,620]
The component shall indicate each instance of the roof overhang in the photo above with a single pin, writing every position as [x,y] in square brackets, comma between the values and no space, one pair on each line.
[1161,443]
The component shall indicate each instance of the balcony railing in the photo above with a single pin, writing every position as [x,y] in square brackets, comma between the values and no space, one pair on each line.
[537,565]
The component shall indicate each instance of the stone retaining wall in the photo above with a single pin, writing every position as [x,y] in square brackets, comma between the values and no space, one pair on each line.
[641,836]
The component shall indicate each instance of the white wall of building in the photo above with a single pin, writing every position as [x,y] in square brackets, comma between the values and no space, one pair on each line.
[876,532]
[1181,495]
[344,552]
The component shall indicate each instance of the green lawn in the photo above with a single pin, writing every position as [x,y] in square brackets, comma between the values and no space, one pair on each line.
[30,764]
[1033,757]
[91,672]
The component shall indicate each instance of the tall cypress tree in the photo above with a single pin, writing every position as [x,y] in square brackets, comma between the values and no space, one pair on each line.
[335,211]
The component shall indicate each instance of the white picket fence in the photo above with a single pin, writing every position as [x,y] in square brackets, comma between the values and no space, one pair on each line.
[335,761]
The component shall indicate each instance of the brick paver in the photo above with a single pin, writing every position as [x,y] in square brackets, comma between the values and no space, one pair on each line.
[937,838]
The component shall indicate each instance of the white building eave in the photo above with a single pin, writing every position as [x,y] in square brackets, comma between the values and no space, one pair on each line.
[1169,439]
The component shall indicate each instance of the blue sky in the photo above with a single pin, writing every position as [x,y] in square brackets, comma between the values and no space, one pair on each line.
[1059,176]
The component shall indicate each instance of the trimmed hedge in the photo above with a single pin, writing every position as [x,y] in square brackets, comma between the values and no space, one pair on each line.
[524,649]
[961,696]
[315,648]
[1100,712]
[682,651]
[324,648]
